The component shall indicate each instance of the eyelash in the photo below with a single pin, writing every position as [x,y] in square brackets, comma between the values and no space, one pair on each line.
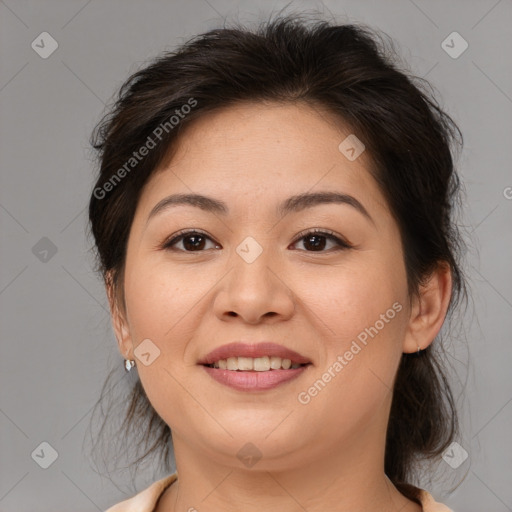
[342,244]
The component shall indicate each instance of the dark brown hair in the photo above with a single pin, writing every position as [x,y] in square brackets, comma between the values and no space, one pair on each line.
[353,72]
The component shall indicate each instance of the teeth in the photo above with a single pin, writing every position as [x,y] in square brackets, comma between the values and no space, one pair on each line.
[261,364]
[275,363]
[232,363]
[258,364]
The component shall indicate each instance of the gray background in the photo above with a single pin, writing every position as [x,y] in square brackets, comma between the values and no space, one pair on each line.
[56,341]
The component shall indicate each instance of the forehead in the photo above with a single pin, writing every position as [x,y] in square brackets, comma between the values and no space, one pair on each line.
[263,151]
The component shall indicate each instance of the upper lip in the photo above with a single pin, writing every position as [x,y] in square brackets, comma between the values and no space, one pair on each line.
[264,348]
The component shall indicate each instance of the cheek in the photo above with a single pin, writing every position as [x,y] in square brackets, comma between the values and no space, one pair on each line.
[360,353]
[160,305]
[351,297]
[156,299]
[362,309]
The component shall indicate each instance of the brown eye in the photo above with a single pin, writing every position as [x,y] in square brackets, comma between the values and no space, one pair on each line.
[193,241]
[313,241]
[316,240]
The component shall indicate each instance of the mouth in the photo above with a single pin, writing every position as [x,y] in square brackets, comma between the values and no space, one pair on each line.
[256,364]
[259,357]
[254,367]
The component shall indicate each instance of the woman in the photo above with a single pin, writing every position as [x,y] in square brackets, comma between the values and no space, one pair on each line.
[273,220]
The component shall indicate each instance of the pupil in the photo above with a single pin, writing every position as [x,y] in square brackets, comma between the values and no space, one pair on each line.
[198,242]
[317,245]
[194,245]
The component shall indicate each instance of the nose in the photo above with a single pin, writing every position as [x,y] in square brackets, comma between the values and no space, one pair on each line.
[254,291]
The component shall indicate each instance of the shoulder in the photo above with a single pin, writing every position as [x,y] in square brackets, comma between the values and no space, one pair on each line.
[430,505]
[145,500]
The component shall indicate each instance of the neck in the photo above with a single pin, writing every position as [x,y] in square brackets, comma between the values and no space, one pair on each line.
[345,479]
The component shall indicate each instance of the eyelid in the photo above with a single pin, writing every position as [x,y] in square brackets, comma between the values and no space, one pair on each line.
[176,237]
[340,241]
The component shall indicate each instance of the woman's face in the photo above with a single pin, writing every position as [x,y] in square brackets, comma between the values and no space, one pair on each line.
[254,274]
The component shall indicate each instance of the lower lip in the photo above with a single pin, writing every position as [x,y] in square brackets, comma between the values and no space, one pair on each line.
[253,381]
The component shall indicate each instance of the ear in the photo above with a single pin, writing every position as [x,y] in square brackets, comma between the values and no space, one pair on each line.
[429,309]
[118,316]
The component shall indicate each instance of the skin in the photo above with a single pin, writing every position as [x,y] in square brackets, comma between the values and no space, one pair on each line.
[327,454]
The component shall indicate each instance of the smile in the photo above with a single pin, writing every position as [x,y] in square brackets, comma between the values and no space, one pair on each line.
[258,364]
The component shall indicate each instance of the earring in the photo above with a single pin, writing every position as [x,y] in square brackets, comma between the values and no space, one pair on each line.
[419,350]
[129,364]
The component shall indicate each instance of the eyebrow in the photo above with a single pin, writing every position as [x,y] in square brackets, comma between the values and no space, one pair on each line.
[292,204]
